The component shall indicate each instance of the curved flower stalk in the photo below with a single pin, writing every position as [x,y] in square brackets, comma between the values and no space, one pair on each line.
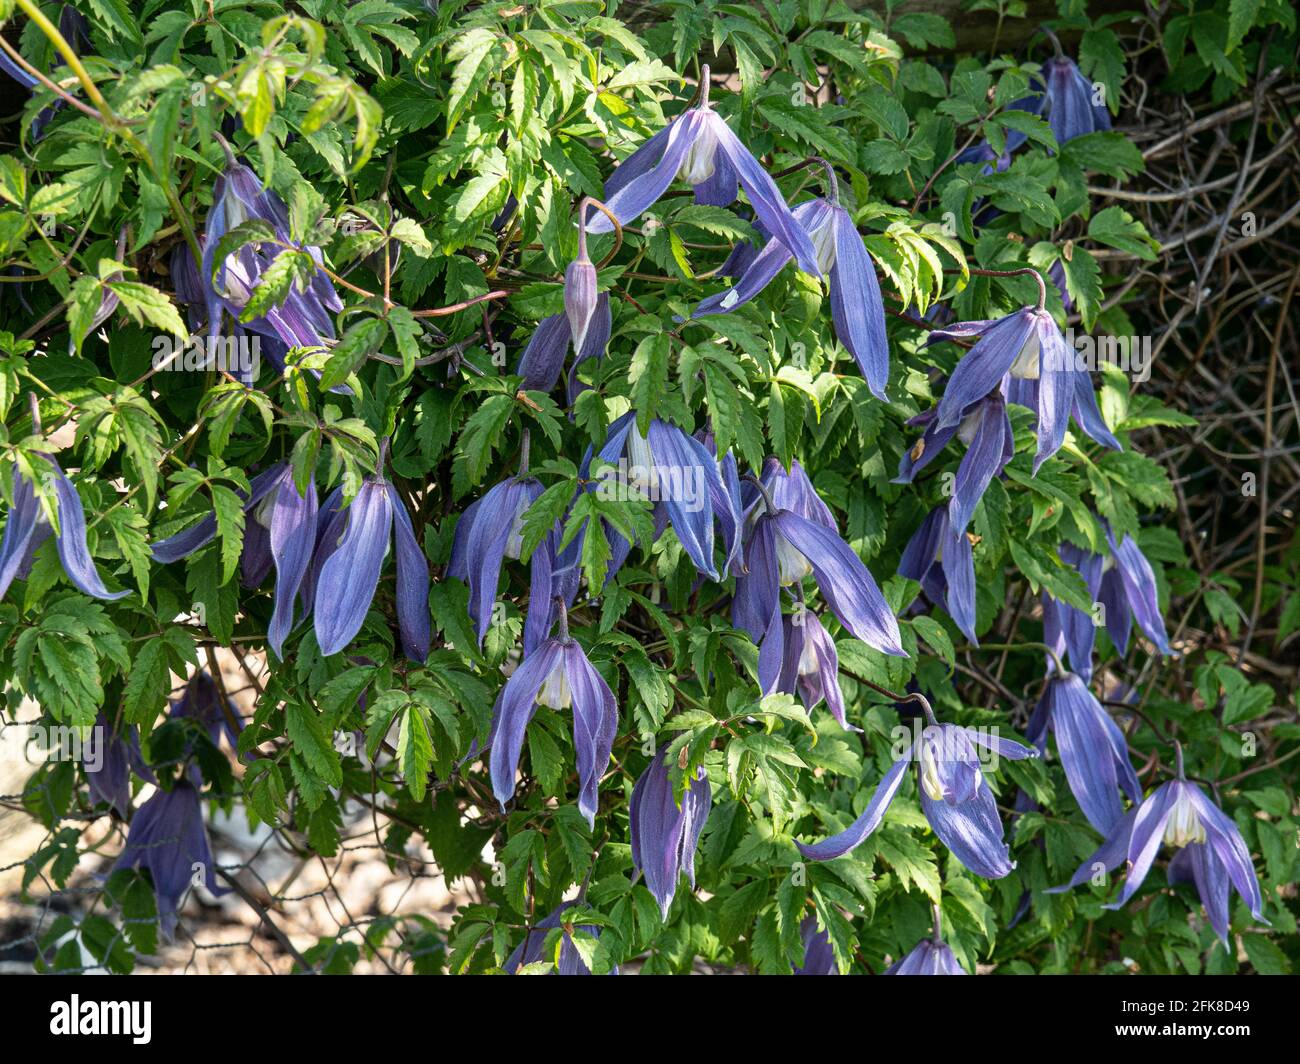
[956,801]
[1124,583]
[939,558]
[699,147]
[350,553]
[543,359]
[109,759]
[529,951]
[680,477]
[857,310]
[782,547]
[303,319]
[1210,851]
[985,429]
[932,956]
[1023,346]
[27,528]
[818,955]
[557,674]
[489,532]
[665,832]
[168,838]
[1093,750]
[810,667]
[282,533]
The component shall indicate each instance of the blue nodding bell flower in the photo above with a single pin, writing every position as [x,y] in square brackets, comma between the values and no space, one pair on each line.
[530,950]
[489,532]
[303,318]
[680,476]
[1211,853]
[782,547]
[1124,584]
[1024,346]
[28,527]
[665,832]
[109,759]
[1062,96]
[543,359]
[818,954]
[810,668]
[351,546]
[700,148]
[931,956]
[985,429]
[1070,103]
[282,533]
[557,674]
[1092,748]
[939,558]
[857,310]
[168,838]
[954,797]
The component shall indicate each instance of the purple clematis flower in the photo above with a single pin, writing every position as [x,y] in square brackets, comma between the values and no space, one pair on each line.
[543,359]
[1093,750]
[1068,101]
[939,558]
[489,532]
[1123,581]
[282,533]
[350,550]
[818,955]
[303,319]
[109,759]
[556,674]
[665,832]
[1023,346]
[929,957]
[781,548]
[679,475]
[810,667]
[1210,851]
[529,951]
[955,799]
[857,309]
[27,528]
[985,429]
[700,148]
[169,839]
